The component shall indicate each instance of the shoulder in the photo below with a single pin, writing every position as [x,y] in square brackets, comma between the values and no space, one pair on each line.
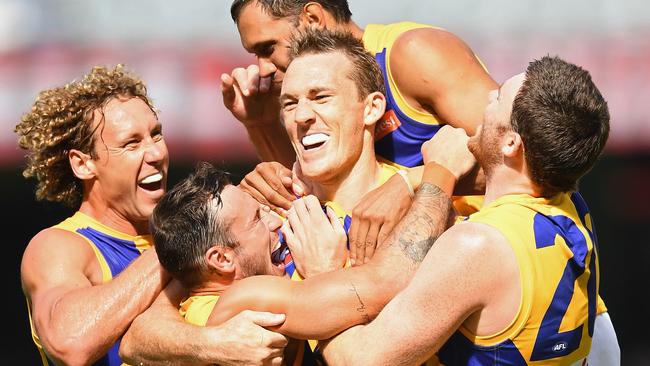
[52,252]
[429,44]
[476,245]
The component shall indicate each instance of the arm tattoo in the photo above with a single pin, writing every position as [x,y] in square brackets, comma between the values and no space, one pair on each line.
[362,307]
[425,221]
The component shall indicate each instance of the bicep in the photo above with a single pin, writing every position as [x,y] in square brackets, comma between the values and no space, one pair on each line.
[54,263]
[440,72]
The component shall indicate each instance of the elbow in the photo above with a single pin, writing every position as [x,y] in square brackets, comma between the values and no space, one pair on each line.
[73,348]
[71,352]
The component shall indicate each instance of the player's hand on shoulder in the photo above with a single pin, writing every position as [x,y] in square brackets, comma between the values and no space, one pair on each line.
[317,239]
[375,216]
[448,147]
[252,99]
[245,339]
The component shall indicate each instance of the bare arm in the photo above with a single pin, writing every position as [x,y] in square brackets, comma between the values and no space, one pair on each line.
[161,336]
[463,274]
[77,317]
[437,72]
[323,305]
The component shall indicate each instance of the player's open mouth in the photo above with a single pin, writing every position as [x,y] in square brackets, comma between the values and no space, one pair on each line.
[279,252]
[314,141]
[151,182]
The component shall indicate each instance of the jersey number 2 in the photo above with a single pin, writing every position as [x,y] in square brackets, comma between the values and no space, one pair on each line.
[550,342]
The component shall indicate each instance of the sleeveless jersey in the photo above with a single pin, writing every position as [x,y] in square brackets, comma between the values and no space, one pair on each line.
[197,309]
[554,244]
[114,251]
[403,129]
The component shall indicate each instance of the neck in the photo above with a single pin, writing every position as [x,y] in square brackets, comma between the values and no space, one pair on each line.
[210,288]
[504,180]
[99,210]
[348,187]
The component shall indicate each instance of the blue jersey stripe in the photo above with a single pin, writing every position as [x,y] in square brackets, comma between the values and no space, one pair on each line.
[402,146]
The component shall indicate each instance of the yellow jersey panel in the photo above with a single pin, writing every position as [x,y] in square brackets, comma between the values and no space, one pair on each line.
[114,251]
[558,265]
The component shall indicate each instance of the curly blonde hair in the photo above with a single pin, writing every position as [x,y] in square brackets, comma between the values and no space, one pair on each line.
[61,119]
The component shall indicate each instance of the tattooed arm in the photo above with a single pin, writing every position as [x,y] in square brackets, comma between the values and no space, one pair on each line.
[326,304]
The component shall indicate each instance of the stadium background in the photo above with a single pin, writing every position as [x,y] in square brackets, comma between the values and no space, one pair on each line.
[181,48]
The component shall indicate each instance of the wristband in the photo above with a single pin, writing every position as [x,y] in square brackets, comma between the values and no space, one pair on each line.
[404,175]
[440,176]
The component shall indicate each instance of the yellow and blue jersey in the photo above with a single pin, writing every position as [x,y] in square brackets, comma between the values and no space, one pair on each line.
[402,130]
[114,251]
[555,247]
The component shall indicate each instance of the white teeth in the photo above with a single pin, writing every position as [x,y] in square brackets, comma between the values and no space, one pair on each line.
[152,178]
[314,139]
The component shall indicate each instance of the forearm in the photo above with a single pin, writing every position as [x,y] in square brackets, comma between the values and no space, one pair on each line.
[86,322]
[324,305]
[272,143]
[161,336]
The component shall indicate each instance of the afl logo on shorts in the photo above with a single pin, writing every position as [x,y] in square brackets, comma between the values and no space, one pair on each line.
[559,347]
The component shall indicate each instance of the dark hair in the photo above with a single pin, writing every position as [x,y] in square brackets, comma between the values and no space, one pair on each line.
[292,8]
[61,119]
[186,223]
[563,121]
[365,71]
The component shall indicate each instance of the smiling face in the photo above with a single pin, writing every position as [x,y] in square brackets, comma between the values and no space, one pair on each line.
[267,38]
[323,114]
[255,230]
[130,167]
[485,144]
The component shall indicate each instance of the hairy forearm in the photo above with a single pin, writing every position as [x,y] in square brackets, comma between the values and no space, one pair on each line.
[272,143]
[324,305]
[160,336]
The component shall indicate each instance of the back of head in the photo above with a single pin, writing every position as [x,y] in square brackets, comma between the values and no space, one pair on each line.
[365,71]
[61,119]
[293,8]
[185,223]
[564,123]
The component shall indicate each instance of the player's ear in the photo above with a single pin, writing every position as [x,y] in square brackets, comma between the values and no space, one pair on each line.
[82,164]
[375,106]
[221,259]
[512,144]
[313,14]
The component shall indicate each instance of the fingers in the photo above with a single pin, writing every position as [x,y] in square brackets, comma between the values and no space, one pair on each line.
[370,243]
[228,90]
[298,185]
[263,318]
[247,79]
[265,185]
[384,231]
[359,242]
[335,221]
[274,174]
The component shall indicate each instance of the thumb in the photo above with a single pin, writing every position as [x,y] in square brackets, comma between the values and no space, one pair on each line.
[266,319]
[298,185]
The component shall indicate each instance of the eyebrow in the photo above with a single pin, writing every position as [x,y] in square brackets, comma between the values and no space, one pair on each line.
[260,47]
[312,91]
